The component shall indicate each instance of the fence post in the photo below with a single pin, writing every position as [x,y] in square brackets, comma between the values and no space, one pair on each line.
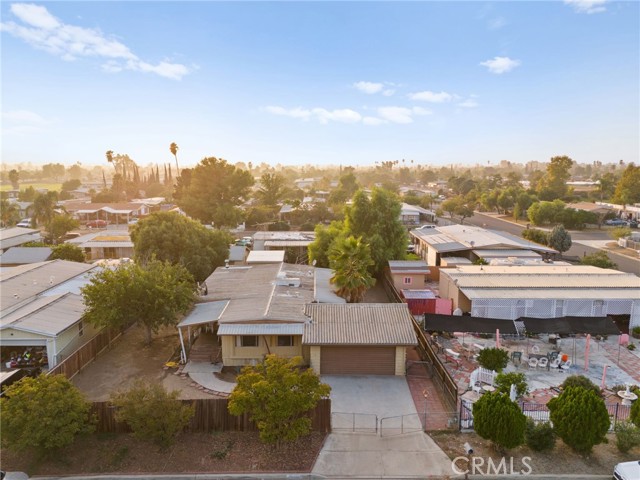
[615,417]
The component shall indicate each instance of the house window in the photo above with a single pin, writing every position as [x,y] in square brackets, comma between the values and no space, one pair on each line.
[406,280]
[285,340]
[247,341]
[80,329]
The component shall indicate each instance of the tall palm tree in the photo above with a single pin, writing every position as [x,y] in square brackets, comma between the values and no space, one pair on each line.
[43,209]
[174,151]
[109,155]
[350,260]
[9,214]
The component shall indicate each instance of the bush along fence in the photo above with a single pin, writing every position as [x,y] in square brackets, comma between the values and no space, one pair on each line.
[539,412]
[211,414]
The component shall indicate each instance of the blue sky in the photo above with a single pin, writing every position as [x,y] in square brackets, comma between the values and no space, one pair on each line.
[321,82]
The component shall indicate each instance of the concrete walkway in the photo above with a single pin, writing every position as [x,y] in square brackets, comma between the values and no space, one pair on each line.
[203,374]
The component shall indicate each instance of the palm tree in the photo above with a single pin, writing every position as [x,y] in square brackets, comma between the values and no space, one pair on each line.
[9,213]
[174,151]
[43,209]
[272,189]
[350,260]
[109,155]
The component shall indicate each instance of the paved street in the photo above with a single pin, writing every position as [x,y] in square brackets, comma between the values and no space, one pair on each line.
[578,249]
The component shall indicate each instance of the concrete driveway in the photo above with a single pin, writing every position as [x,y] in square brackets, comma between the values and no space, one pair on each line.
[386,452]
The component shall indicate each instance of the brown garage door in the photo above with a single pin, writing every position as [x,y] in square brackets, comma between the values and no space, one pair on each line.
[358,360]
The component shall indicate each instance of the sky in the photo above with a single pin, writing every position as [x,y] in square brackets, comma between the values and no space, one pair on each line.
[320,83]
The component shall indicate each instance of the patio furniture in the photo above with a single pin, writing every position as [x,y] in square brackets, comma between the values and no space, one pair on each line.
[566,365]
[552,356]
[488,388]
[533,363]
[543,363]
[452,354]
[555,364]
[535,349]
[516,356]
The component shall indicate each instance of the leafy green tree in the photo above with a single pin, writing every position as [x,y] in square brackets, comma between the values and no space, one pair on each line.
[53,170]
[523,202]
[9,214]
[171,237]
[627,436]
[277,394]
[539,437]
[580,418]
[212,192]
[67,251]
[627,190]
[44,413]
[28,194]
[60,225]
[350,259]
[543,212]
[450,205]
[535,235]
[153,413]
[14,178]
[493,359]
[598,259]
[560,239]
[43,209]
[273,188]
[634,415]
[504,381]
[72,184]
[500,420]
[580,381]
[378,221]
[553,184]
[153,295]
[325,236]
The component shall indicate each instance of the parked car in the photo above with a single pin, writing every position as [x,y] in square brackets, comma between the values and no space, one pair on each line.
[633,223]
[25,223]
[411,248]
[426,227]
[134,221]
[97,224]
[248,241]
[627,470]
[616,222]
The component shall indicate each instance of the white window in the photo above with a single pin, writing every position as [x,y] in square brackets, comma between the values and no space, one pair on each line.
[407,280]
[247,341]
[285,340]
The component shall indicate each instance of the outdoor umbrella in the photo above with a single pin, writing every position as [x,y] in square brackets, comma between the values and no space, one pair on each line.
[512,393]
[497,338]
[586,352]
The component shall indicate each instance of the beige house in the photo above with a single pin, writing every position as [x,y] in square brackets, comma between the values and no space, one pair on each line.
[105,244]
[408,274]
[359,338]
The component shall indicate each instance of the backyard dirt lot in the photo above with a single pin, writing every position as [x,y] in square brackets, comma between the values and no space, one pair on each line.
[560,460]
[130,359]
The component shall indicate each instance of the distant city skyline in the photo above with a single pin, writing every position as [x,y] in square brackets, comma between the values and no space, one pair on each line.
[321,83]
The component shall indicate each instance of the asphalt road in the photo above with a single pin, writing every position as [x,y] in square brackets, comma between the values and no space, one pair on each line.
[625,263]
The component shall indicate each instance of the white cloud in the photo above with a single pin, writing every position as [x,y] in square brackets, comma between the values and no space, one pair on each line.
[497,23]
[22,122]
[469,103]
[345,115]
[499,65]
[293,112]
[421,111]
[369,87]
[396,114]
[372,121]
[587,6]
[389,92]
[43,31]
[433,97]
[23,116]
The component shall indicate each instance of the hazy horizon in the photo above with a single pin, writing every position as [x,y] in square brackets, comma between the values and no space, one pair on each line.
[312,83]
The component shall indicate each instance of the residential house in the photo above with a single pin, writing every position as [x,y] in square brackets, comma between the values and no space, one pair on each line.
[412,215]
[16,236]
[42,309]
[23,255]
[105,244]
[542,291]
[265,256]
[408,274]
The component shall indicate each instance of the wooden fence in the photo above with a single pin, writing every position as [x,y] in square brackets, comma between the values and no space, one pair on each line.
[86,353]
[210,415]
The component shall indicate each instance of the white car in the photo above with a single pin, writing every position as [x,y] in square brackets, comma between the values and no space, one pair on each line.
[25,223]
[426,227]
[627,471]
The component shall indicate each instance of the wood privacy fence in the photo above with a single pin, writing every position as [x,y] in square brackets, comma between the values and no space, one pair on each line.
[87,352]
[211,414]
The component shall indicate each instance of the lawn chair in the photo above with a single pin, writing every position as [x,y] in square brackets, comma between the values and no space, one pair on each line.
[566,365]
[543,363]
[516,356]
[533,363]
[555,364]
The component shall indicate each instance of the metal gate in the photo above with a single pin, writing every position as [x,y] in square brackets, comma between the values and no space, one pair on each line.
[400,424]
[354,422]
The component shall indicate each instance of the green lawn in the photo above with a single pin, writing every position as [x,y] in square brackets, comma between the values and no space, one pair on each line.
[48,186]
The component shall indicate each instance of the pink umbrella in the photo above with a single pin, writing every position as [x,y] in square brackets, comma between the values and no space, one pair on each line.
[604,377]
[586,353]
[497,338]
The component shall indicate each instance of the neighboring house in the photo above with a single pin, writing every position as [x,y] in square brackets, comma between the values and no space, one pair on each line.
[408,274]
[238,254]
[42,310]
[265,256]
[358,338]
[114,213]
[542,291]
[414,215]
[23,255]
[279,240]
[304,183]
[105,244]
[23,207]
[16,236]
[466,241]
[627,212]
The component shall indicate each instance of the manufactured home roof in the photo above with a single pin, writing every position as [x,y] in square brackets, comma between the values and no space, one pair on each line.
[11,237]
[47,316]
[503,253]
[287,243]
[408,266]
[359,324]
[23,255]
[204,313]
[265,256]
[324,292]
[261,329]
[558,293]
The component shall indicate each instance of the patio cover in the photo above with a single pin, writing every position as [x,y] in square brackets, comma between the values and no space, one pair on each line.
[465,323]
[569,324]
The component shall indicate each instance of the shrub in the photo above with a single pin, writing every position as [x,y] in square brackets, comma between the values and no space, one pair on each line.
[152,413]
[539,437]
[505,380]
[634,416]
[580,418]
[619,232]
[599,259]
[635,331]
[580,381]
[535,235]
[45,413]
[493,359]
[627,436]
[500,420]
[631,346]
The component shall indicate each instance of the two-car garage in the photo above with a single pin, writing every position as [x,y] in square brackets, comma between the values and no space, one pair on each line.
[359,339]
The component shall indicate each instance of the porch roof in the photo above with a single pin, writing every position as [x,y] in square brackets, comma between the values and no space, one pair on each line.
[261,329]
[204,313]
